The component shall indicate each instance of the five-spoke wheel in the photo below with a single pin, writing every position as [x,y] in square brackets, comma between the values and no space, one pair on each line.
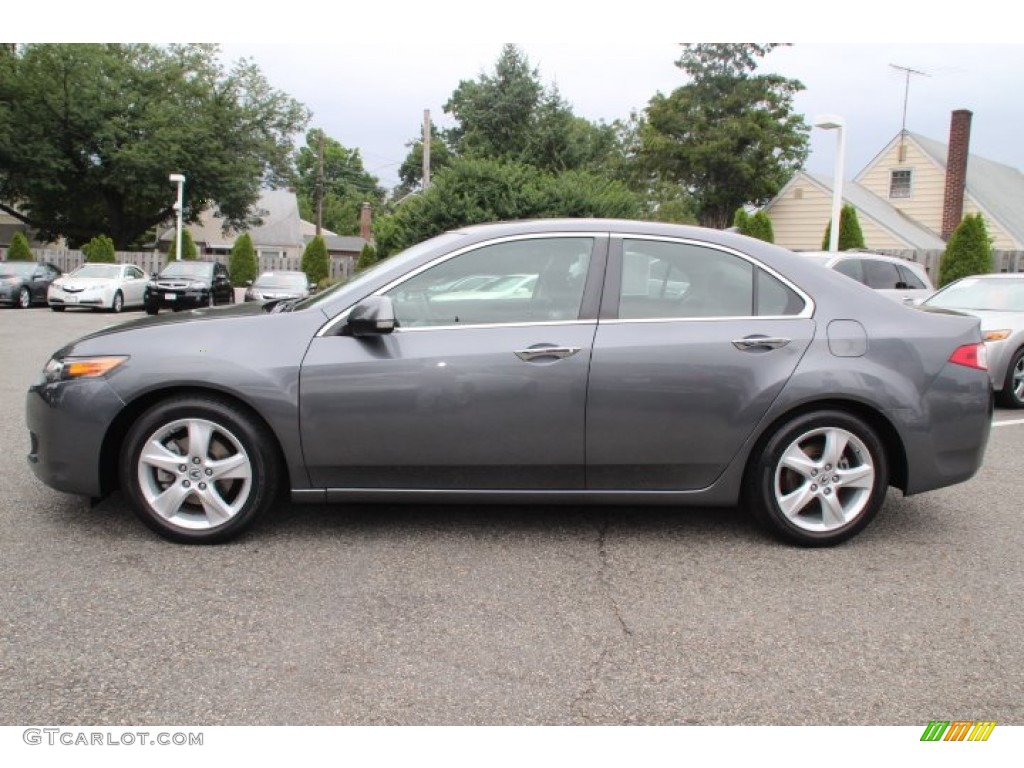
[1012,394]
[198,469]
[821,478]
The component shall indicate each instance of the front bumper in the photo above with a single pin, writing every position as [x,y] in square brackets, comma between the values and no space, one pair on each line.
[80,299]
[177,299]
[67,422]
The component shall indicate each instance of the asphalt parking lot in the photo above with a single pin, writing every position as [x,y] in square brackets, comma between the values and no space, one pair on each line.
[501,615]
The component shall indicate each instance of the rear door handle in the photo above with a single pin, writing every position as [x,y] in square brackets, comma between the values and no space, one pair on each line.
[755,342]
[535,353]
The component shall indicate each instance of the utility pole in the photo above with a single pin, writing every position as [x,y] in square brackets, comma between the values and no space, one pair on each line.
[426,148]
[906,95]
[320,183]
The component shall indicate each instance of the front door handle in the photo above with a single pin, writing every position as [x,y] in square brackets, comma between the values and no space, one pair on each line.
[535,353]
[755,342]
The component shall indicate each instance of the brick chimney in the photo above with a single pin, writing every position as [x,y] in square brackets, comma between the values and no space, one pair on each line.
[365,221]
[956,171]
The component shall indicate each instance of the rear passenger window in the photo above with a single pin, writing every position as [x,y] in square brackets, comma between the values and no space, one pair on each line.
[881,274]
[851,268]
[911,280]
[682,280]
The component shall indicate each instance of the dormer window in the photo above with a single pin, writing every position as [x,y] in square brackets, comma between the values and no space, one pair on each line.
[900,182]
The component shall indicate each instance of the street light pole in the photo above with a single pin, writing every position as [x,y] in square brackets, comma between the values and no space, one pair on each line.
[835,122]
[178,179]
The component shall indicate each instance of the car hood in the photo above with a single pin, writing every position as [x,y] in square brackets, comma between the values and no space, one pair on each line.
[85,282]
[192,316]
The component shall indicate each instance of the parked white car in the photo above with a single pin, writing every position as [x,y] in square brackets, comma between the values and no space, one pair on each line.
[896,278]
[99,286]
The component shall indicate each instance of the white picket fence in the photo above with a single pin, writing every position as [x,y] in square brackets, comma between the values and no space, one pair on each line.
[152,262]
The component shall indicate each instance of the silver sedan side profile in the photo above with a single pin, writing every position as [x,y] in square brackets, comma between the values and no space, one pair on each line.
[635,362]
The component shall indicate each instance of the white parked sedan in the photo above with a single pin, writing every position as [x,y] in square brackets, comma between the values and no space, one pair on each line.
[895,278]
[99,286]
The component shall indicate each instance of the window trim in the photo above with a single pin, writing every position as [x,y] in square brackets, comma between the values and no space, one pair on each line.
[613,283]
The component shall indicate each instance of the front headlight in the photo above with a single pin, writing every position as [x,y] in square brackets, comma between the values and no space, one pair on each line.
[9,280]
[197,285]
[81,367]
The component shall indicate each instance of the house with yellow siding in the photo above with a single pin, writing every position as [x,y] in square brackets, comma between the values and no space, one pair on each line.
[909,197]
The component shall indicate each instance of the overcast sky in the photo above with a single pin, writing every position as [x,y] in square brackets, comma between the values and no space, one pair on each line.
[367,69]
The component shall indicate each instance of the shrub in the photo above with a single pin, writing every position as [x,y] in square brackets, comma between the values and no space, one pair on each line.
[741,220]
[315,262]
[19,250]
[760,226]
[968,252]
[850,235]
[367,258]
[100,249]
[188,246]
[242,265]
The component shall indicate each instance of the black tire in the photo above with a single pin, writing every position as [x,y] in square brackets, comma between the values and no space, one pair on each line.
[199,508]
[117,303]
[1012,393]
[152,310]
[57,307]
[830,498]
[24,298]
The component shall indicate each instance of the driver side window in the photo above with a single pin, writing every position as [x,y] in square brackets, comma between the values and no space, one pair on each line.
[521,281]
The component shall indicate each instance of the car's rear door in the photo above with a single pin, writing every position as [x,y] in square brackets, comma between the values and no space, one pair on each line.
[467,393]
[694,344]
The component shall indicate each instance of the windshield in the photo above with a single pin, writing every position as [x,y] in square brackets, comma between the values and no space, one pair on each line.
[108,271]
[19,268]
[994,294]
[188,269]
[282,280]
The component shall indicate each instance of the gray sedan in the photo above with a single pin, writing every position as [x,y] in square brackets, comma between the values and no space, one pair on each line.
[998,301]
[647,364]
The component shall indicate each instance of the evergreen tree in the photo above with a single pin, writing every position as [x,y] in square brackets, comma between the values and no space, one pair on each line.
[315,262]
[367,258]
[760,226]
[741,220]
[242,266]
[100,249]
[19,250]
[850,234]
[968,252]
[188,246]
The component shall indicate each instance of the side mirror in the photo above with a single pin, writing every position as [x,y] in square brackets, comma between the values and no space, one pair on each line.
[373,316]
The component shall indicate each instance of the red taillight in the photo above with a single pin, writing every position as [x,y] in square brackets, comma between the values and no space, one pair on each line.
[971,356]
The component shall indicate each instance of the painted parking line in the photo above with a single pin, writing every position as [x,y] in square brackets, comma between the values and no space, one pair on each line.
[1007,423]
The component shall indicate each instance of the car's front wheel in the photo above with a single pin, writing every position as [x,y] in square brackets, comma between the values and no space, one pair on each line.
[117,304]
[198,469]
[24,298]
[57,307]
[152,309]
[820,478]
[1012,394]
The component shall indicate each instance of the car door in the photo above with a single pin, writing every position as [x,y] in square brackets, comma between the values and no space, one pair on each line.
[480,392]
[694,344]
[133,286]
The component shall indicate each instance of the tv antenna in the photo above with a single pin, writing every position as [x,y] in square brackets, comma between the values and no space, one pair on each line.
[908,71]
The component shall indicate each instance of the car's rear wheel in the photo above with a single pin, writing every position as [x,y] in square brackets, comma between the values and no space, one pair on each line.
[820,478]
[198,469]
[1012,394]
[117,304]
[24,298]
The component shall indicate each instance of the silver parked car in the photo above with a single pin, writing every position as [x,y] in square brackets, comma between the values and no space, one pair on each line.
[998,301]
[898,279]
[647,363]
[279,284]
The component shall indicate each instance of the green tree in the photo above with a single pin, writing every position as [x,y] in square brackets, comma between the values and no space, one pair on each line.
[100,249]
[761,227]
[367,258]
[188,246]
[20,250]
[346,183]
[741,220]
[90,133]
[729,136]
[471,191]
[315,261]
[850,234]
[242,265]
[968,252]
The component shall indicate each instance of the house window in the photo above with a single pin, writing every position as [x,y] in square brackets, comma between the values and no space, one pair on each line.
[899,182]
